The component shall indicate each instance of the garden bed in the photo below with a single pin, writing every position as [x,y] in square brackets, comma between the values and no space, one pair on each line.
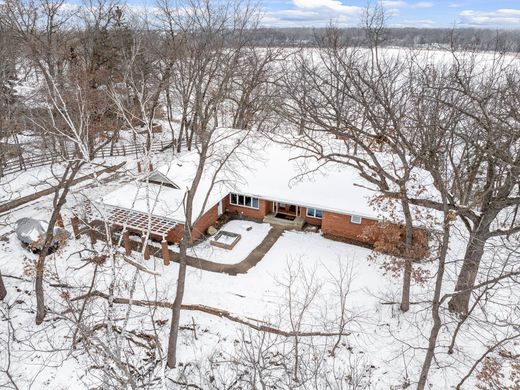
[225,240]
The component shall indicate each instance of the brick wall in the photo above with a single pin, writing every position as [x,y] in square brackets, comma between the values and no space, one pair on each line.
[339,226]
[264,208]
[208,219]
[175,235]
[309,220]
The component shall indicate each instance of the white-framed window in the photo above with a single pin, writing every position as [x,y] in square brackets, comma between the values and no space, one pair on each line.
[244,201]
[356,219]
[314,213]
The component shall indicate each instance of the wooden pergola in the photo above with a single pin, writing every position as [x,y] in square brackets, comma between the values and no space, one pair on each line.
[132,219]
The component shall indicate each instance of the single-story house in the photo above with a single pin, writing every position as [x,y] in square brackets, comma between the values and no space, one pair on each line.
[263,181]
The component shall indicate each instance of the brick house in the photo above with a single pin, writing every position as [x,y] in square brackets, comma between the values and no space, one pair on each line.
[336,200]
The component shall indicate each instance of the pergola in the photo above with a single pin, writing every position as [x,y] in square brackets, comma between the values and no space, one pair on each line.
[131,219]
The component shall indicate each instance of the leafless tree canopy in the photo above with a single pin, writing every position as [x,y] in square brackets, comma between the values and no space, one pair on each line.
[434,133]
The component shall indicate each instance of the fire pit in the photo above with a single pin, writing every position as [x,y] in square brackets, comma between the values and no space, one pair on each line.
[225,240]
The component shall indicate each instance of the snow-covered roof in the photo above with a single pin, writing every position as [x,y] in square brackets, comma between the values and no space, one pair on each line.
[261,168]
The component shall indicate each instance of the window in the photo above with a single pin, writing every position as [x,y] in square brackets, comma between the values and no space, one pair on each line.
[355,219]
[244,201]
[314,213]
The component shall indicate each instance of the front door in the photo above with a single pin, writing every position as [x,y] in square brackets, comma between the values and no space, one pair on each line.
[287,209]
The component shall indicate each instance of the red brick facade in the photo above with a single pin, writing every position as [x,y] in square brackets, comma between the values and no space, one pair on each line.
[310,220]
[208,219]
[205,222]
[175,235]
[340,226]
[264,208]
[333,225]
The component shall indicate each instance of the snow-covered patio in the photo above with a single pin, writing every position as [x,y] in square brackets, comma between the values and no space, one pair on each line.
[250,239]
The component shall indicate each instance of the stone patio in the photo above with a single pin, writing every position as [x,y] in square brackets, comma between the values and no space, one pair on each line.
[295,224]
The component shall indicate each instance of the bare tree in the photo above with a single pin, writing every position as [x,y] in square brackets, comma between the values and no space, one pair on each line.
[217,37]
[355,104]
[431,140]
[313,309]
[479,167]
[75,107]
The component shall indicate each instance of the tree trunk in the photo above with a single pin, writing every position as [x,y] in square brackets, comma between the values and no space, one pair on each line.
[3,291]
[436,304]
[176,309]
[181,132]
[170,117]
[407,277]
[58,202]
[459,303]
[38,287]
[183,249]
[407,274]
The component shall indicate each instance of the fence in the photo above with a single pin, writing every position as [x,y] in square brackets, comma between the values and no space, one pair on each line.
[21,163]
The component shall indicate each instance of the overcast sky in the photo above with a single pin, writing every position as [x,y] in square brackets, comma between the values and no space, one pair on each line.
[415,13]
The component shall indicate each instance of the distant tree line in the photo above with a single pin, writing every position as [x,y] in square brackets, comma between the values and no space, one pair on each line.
[461,38]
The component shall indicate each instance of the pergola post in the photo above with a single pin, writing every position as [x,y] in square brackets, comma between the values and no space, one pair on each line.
[139,167]
[127,244]
[59,221]
[93,236]
[146,248]
[75,227]
[150,167]
[165,252]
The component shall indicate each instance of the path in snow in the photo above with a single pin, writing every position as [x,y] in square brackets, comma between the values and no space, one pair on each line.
[241,267]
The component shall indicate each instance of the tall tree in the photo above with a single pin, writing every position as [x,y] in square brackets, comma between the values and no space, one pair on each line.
[215,37]
[480,157]
[349,105]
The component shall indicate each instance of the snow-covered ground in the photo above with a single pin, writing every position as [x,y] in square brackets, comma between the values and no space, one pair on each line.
[381,338]
[258,295]
[384,344]
[249,240]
